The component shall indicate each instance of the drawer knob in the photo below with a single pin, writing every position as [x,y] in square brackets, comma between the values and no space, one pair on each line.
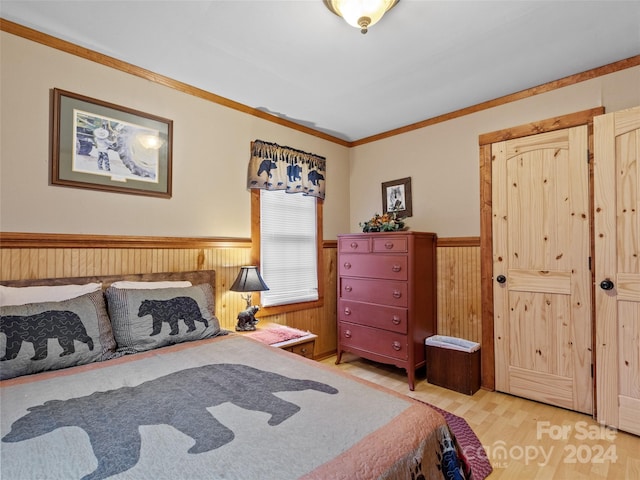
[347,265]
[354,245]
[303,350]
[396,346]
[397,294]
[348,288]
[347,311]
[347,333]
[395,320]
[388,245]
[396,268]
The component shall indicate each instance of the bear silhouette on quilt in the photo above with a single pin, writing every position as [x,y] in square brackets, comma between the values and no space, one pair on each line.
[116,442]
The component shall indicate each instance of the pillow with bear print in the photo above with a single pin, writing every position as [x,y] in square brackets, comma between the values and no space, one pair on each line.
[145,319]
[54,335]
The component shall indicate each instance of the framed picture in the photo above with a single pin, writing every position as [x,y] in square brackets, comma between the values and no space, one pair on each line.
[102,146]
[396,197]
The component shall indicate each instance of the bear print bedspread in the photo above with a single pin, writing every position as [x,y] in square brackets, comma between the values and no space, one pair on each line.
[227,407]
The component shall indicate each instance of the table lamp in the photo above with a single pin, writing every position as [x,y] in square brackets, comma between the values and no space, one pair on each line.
[248,280]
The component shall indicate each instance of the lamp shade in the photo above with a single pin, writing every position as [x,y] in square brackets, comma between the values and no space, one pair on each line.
[249,280]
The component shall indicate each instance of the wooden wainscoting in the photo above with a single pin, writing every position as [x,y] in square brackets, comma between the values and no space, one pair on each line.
[459,293]
[52,256]
[34,255]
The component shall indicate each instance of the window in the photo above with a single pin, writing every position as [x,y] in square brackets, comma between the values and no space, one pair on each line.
[288,229]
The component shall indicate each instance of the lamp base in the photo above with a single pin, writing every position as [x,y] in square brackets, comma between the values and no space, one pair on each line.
[247,320]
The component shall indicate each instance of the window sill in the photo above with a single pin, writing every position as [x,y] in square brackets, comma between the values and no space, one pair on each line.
[291,307]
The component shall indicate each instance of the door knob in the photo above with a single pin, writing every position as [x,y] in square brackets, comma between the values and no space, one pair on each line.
[501,279]
[606,284]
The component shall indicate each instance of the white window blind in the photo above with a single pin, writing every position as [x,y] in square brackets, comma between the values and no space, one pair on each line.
[288,248]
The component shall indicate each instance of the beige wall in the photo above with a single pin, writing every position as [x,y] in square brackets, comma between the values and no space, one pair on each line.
[442,160]
[210,155]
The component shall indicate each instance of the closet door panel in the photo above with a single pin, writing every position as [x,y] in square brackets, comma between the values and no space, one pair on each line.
[617,268]
[542,289]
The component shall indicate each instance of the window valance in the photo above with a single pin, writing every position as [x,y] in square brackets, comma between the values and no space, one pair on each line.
[273,167]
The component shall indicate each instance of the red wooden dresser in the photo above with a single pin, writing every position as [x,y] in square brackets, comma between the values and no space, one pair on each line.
[387,297]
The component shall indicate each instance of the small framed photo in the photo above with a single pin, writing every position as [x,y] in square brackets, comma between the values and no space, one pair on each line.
[102,146]
[396,197]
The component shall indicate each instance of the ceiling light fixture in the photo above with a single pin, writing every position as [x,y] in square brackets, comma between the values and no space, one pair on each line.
[361,14]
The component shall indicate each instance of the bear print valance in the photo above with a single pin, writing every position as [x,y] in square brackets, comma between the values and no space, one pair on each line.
[273,167]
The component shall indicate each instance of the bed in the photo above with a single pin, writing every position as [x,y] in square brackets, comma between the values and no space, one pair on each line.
[163,392]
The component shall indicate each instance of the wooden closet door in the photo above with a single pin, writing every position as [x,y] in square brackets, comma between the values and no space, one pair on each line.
[617,249]
[542,281]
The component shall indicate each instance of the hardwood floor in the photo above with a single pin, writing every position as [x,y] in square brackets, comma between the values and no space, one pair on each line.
[523,439]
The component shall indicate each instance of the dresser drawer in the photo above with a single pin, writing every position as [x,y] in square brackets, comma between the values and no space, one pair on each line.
[378,316]
[390,244]
[373,340]
[392,267]
[354,245]
[383,292]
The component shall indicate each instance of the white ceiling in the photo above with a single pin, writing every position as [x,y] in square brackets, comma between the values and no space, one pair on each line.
[297,60]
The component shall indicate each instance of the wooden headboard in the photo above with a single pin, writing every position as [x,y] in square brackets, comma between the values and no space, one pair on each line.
[195,277]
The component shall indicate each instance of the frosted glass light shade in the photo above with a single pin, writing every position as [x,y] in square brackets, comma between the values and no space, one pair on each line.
[360,13]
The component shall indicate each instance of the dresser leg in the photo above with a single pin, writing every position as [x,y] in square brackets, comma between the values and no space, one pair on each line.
[411,373]
[338,356]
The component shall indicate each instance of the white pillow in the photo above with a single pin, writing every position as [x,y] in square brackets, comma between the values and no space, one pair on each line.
[150,285]
[40,294]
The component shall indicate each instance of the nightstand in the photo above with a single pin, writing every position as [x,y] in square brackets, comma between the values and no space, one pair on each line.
[300,345]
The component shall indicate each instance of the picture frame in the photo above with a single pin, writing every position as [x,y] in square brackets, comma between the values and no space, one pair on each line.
[98,145]
[396,197]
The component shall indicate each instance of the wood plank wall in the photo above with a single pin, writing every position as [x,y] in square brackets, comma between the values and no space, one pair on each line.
[459,307]
[50,256]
